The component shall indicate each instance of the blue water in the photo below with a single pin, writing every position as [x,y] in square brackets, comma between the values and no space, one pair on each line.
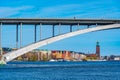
[109,70]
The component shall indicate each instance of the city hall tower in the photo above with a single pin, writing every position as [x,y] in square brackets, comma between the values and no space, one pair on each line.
[98,50]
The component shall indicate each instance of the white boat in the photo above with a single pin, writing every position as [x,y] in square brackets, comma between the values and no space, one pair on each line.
[52,60]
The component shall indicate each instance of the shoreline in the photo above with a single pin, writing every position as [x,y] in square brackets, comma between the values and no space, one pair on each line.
[2,62]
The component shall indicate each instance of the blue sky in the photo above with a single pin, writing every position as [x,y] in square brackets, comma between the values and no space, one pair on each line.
[105,9]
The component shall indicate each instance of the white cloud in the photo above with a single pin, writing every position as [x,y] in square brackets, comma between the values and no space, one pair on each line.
[60,8]
[54,11]
[79,10]
[87,10]
[10,11]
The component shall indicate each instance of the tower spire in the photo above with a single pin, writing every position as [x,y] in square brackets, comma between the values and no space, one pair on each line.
[97,43]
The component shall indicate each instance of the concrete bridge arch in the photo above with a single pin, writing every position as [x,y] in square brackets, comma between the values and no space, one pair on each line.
[12,55]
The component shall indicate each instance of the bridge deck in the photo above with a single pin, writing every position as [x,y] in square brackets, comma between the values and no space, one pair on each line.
[28,21]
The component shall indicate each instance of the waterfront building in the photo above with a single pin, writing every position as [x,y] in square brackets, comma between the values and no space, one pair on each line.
[91,56]
[45,55]
[30,56]
[53,55]
[72,54]
[59,56]
[41,56]
[96,55]
[105,57]
[114,57]
[117,58]
[67,55]
[76,56]
[63,55]
[49,54]
[82,57]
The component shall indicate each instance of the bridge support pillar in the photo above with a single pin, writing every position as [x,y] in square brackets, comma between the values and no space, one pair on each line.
[40,31]
[96,24]
[35,37]
[53,31]
[17,36]
[59,28]
[20,35]
[88,26]
[70,28]
[78,26]
[1,38]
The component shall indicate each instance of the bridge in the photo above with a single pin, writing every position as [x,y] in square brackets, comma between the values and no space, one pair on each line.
[99,24]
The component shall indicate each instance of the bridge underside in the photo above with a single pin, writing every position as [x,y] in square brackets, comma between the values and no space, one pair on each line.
[44,21]
[12,55]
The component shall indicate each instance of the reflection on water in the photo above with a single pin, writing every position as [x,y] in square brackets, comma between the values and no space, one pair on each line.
[60,71]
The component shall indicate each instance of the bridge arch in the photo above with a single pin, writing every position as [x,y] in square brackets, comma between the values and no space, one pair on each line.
[14,54]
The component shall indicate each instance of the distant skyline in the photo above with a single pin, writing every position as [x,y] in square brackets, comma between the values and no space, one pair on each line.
[100,9]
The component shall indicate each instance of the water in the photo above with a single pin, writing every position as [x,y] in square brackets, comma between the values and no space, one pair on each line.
[109,70]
